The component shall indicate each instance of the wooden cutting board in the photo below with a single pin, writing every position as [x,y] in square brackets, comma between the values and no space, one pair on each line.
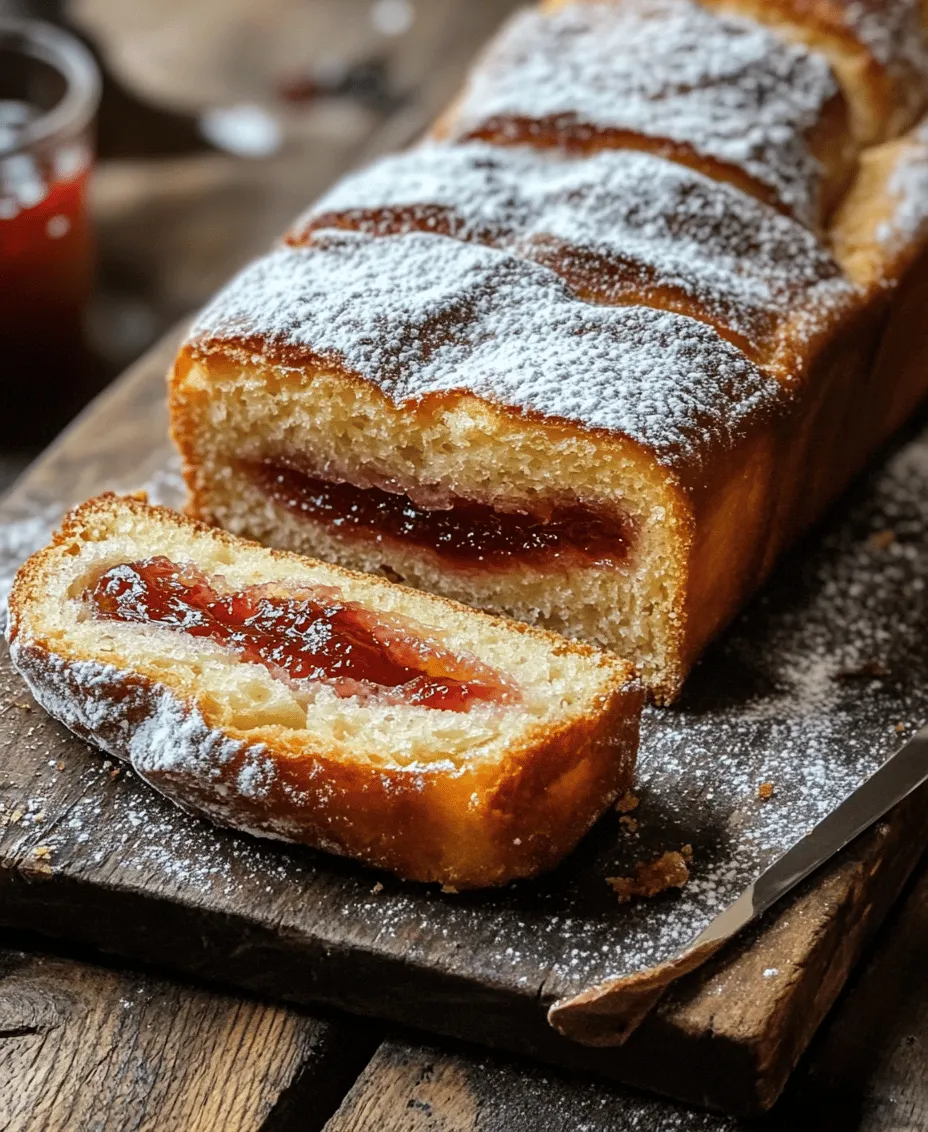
[820,680]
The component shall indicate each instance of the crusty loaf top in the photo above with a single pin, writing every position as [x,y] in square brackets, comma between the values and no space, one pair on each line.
[420,314]
[613,224]
[727,88]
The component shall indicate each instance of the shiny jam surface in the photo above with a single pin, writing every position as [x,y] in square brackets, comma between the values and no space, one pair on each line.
[466,534]
[299,633]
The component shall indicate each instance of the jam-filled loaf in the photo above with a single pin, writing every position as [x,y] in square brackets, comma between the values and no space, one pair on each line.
[301,701]
[594,352]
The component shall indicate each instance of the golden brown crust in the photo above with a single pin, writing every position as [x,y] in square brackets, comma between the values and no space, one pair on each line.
[467,827]
[877,48]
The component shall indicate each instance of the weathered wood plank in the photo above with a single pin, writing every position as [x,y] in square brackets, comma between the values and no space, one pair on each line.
[84,1047]
[867,1072]
[132,874]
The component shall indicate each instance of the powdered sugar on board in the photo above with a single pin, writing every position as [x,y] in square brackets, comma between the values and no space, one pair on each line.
[821,679]
[727,88]
[420,314]
[610,223]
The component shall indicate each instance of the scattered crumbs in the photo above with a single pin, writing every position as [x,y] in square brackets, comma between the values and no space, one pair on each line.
[378,887]
[42,852]
[765,791]
[630,823]
[653,877]
[900,727]
[16,816]
[24,706]
[627,803]
[60,765]
[115,771]
[517,841]
[770,972]
[39,817]
[449,889]
[880,540]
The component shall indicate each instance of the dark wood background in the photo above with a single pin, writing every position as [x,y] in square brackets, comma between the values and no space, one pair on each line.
[84,1044]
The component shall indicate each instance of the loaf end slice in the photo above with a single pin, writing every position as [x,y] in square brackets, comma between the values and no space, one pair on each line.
[467,796]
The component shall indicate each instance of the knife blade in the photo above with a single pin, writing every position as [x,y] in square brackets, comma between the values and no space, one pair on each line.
[903,772]
[608,1014]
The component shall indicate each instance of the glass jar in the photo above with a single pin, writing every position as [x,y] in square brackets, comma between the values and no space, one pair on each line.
[49,93]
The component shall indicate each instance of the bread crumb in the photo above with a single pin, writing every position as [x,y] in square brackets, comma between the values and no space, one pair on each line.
[653,877]
[900,727]
[765,791]
[43,852]
[880,540]
[869,670]
[449,889]
[15,816]
[60,765]
[630,823]
[627,803]
[378,887]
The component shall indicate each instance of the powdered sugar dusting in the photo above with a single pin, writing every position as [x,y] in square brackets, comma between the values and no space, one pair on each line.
[615,220]
[728,88]
[419,314]
[908,188]
[894,33]
[822,677]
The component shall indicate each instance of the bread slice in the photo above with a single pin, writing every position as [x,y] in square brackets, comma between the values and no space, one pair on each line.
[502,787]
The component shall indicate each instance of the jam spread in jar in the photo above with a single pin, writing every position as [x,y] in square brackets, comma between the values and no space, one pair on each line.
[465,534]
[300,633]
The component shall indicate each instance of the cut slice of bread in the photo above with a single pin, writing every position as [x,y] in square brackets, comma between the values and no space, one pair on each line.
[466,798]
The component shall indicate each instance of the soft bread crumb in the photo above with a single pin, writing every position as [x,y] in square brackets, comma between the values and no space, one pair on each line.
[627,803]
[653,877]
[765,791]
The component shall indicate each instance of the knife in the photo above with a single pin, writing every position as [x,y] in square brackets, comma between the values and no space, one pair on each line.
[607,1014]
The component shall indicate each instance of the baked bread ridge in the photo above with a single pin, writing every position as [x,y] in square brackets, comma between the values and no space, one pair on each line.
[619,226]
[273,344]
[468,800]
[730,512]
[721,93]
[878,50]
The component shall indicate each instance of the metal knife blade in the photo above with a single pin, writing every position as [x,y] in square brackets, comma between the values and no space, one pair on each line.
[902,773]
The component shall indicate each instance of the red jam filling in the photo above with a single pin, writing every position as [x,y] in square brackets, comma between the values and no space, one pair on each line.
[300,633]
[465,533]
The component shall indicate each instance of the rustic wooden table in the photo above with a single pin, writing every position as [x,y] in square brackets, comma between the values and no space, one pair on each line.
[86,1044]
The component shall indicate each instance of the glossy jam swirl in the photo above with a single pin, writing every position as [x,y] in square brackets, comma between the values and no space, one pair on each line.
[466,534]
[303,633]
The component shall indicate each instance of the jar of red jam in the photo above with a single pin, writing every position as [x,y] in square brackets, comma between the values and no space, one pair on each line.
[49,92]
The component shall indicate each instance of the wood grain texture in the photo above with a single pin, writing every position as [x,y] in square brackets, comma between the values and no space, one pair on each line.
[129,873]
[83,1047]
[867,1071]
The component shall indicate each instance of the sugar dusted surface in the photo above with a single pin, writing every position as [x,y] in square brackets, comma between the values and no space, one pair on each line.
[741,260]
[787,697]
[894,32]
[908,186]
[727,87]
[420,314]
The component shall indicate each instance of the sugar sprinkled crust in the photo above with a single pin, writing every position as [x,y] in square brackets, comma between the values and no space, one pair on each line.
[466,801]
[419,315]
[607,223]
[894,33]
[908,185]
[727,87]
